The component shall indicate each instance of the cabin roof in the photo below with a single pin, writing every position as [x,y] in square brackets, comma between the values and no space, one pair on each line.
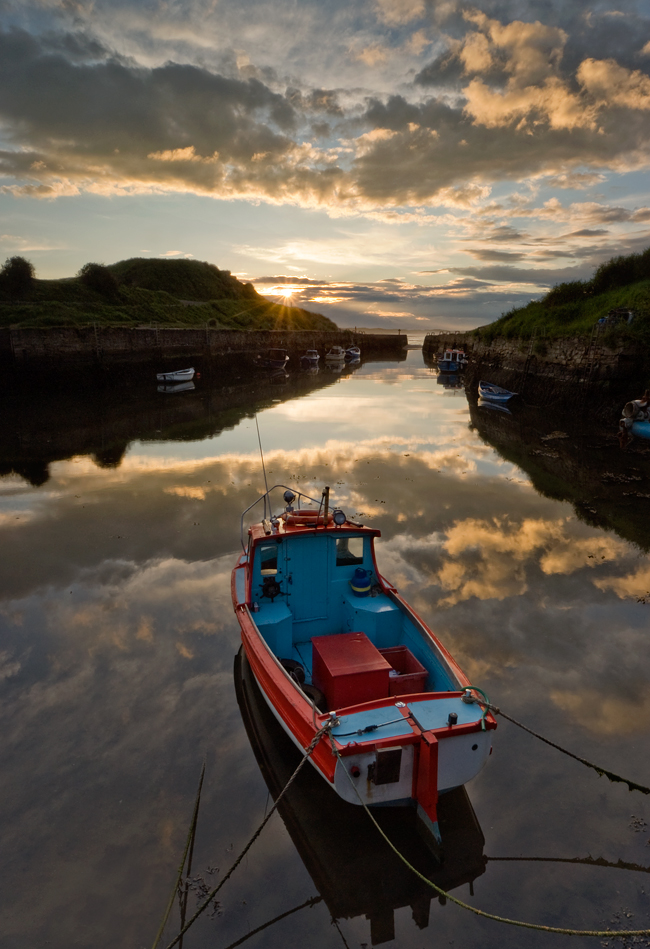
[258,533]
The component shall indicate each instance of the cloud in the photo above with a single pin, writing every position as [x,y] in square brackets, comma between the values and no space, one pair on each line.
[398,12]
[185,126]
[611,84]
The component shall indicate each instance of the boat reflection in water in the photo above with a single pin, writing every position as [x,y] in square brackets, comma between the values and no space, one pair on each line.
[176,387]
[353,868]
[450,380]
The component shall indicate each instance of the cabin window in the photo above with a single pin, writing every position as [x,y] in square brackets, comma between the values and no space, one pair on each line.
[349,550]
[269,560]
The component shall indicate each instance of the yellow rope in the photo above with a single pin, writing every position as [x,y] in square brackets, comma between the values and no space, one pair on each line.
[473,909]
[317,737]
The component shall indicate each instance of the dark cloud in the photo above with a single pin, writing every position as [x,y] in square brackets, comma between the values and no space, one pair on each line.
[77,115]
[588,232]
[295,281]
[498,255]
[537,277]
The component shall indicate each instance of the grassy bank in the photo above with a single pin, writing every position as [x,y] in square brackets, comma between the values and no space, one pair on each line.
[572,309]
[142,291]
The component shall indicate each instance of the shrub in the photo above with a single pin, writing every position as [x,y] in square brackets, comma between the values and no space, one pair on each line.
[569,292]
[97,277]
[17,276]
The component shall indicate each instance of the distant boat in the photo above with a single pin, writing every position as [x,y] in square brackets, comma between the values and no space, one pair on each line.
[273,359]
[492,393]
[452,360]
[309,359]
[352,352]
[177,387]
[180,375]
[335,354]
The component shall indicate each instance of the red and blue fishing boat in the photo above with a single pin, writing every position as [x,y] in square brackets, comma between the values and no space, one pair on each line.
[329,639]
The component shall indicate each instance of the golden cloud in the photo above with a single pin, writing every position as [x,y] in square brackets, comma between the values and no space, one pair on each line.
[607,714]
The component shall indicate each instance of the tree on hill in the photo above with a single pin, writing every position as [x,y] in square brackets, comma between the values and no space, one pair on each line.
[17,277]
[99,278]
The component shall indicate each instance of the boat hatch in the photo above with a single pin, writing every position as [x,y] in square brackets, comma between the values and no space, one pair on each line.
[434,713]
[391,722]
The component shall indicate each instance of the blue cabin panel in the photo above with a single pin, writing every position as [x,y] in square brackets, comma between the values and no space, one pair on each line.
[275,623]
[307,574]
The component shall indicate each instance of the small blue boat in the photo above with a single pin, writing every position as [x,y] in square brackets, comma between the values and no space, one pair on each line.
[452,360]
[492,393]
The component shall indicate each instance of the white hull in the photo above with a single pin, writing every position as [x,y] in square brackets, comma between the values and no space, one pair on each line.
[180,375]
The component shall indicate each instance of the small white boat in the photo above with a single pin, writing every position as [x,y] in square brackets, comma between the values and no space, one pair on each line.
[492,393]
[336,354]
[352,352]
[180,375]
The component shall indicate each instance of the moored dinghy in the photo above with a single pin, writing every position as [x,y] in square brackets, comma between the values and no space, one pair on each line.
[492,393]
[634,419]
[179,375]
[329,639]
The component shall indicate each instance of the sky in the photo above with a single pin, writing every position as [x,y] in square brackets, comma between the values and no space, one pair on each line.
[411,163]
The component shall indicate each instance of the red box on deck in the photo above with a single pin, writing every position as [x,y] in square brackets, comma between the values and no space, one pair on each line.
[412,674]
[348,669]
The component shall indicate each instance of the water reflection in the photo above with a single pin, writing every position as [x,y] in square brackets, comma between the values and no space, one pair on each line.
[119,523]
[352,867]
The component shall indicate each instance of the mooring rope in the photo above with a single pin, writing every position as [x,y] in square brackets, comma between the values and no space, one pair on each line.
[312,901]
[317,737]
[473,909]
[189,843]
[611,775]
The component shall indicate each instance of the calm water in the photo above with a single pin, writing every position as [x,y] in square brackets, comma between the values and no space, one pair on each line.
[118,642]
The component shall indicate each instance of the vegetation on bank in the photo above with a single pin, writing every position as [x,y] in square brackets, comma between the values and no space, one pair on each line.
[574,308]
[144,291]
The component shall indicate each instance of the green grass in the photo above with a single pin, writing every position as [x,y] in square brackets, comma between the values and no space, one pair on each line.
[151,291]
[572,309]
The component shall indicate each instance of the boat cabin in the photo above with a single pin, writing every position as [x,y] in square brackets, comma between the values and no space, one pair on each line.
[317,599]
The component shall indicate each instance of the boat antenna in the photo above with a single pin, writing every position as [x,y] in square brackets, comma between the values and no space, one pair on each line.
[266,484]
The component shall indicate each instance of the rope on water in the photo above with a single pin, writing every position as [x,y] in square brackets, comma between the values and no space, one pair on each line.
[312,901]
[317,737]
[473,909]
[611,775]
[189,842]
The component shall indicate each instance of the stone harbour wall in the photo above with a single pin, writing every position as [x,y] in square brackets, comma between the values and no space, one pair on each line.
[567,359]
[96,346]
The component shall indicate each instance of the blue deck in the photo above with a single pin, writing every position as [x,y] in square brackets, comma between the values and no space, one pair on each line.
[357,721]
[313,597]
[434,713]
